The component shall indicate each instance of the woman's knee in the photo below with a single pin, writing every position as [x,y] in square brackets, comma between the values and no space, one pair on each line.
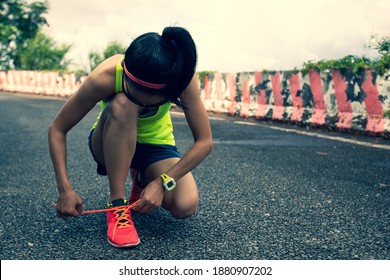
[184,211]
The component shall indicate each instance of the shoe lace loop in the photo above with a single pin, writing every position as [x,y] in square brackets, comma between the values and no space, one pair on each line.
[123,218]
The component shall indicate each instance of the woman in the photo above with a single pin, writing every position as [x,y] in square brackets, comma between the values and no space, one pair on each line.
[134,130]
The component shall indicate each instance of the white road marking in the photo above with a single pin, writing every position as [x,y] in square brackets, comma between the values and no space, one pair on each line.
[307,133]
[318,135]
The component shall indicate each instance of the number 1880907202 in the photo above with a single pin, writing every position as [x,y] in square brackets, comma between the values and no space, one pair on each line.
[242,270]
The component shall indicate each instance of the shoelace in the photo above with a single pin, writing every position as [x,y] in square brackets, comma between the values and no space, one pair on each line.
[122,215]
[107,209]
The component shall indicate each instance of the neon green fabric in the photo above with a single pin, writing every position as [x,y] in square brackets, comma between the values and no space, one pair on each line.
[156,129]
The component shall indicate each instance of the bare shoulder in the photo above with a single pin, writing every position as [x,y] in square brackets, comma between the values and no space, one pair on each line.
[102,78]
[100,83]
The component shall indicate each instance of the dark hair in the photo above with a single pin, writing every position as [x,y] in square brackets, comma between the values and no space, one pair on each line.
[167,59]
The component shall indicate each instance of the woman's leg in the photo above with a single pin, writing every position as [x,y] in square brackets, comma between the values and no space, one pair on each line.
[114,140]
[181,202]
[113,144]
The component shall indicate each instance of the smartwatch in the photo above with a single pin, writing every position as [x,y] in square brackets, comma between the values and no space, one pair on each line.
[168,182]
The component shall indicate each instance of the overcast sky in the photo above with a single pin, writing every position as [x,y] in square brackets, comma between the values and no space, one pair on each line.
[231,35]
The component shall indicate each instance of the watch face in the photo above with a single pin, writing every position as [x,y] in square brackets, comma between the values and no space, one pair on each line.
[168,182]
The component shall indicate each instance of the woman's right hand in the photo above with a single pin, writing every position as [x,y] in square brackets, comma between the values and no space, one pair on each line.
[69,204]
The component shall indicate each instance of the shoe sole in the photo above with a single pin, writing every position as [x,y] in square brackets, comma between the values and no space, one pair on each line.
[124,245]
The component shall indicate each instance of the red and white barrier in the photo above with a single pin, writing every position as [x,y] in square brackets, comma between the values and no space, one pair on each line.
[334,98]
[40,82]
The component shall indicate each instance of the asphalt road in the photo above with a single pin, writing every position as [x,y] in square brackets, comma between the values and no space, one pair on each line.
[265,193]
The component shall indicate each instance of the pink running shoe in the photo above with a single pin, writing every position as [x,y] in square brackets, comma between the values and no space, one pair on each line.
[121,231]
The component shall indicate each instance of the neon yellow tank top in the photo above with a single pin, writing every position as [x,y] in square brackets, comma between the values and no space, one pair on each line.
[156,129]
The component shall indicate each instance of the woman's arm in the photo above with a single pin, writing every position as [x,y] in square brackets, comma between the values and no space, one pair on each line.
[199,124]
[99,85]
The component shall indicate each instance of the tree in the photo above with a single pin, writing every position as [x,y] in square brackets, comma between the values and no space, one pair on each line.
[43,53]
[19,22]
[94,59]
[380,43]
[114,47]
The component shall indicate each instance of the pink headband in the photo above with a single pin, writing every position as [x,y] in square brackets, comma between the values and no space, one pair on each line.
[140,82]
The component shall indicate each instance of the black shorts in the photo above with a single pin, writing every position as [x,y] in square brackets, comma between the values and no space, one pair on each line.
[144,156]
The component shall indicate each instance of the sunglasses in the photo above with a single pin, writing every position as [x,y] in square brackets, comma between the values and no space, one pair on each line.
[137,102]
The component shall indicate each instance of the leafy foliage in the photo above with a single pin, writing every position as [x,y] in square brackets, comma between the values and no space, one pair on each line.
[380,65]
[19,22]
[43,53]
[380,44]
[95,58]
